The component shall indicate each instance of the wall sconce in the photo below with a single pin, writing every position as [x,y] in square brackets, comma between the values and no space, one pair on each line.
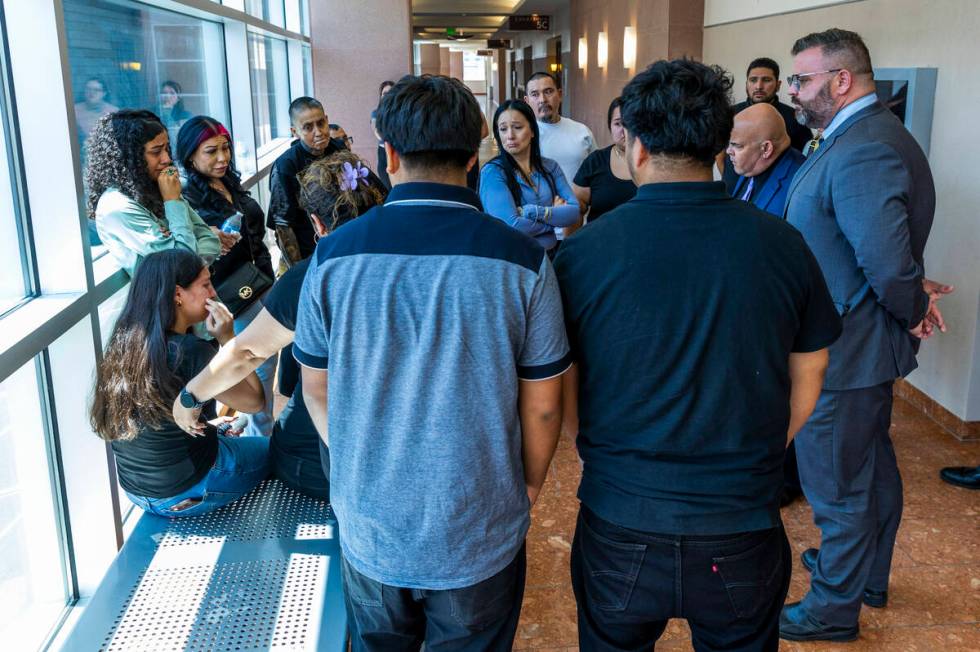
[629,47]
[554,67]
[583,52]
[602,50]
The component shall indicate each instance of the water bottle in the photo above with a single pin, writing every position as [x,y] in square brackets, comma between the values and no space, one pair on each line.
[233,224]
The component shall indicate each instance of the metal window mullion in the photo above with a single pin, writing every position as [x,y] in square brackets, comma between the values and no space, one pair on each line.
[8,107]
[240,92]
[57,481]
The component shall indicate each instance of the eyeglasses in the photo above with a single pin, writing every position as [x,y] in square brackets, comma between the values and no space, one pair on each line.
[794,80]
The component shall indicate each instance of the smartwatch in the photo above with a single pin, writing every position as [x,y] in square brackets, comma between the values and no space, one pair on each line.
[190,401]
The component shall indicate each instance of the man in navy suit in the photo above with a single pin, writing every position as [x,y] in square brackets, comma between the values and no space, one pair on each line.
[864,201]
[760,152]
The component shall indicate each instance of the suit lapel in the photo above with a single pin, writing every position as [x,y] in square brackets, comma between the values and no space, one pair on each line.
[812,159]
[767,192]
[738,186]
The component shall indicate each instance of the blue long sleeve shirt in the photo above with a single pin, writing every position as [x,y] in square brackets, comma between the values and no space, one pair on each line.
[535,216]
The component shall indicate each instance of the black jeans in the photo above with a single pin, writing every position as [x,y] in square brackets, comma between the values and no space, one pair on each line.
[628,583]
[304,475]
[479,617]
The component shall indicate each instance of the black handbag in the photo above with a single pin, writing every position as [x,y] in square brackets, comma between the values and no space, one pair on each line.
[243,287]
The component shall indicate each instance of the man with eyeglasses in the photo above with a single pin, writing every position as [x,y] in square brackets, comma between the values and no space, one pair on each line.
[340,137]
[864,201]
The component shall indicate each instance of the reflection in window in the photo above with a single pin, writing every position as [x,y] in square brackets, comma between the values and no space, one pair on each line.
[33,591]
[124,54]
[270,89]
[13,282]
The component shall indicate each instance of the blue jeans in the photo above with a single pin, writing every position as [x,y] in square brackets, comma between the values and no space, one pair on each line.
[242,463]
[259,424]
[482,617]
[628,584]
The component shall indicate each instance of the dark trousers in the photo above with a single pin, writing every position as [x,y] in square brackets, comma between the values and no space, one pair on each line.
[791,470]
[479,617]
[850,477]
[302,474]
[628,583]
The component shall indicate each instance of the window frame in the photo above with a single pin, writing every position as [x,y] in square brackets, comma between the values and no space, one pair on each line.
[56,327]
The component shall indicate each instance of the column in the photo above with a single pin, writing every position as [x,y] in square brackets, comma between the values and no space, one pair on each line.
[356,46]
[429,56]
[444,56]
[456,65]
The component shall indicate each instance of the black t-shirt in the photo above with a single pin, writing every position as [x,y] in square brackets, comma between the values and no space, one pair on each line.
[608,190]
[682,309]
[163,462]
[294,433]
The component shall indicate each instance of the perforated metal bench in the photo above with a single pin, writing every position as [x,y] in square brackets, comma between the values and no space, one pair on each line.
[260,574]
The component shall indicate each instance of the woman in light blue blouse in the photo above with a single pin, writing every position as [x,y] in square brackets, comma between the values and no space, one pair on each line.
[518,186]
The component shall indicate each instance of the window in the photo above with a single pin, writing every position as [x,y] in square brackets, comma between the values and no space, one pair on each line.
[308,70]
[474,67]
[33,588]
[14,284]
[271,11]
[124,54]
[298,16]
[270,89]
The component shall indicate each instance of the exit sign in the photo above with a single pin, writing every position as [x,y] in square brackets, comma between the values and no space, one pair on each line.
[533,22]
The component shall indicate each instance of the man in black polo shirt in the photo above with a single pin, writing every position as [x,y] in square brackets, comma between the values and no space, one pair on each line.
[701,347]
[762,85]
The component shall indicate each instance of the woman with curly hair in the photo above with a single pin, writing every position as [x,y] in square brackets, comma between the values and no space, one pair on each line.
[333,191]
[214,190]
[151,354]
[134,192]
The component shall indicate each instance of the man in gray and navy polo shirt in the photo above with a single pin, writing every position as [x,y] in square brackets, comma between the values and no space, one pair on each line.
[441,332]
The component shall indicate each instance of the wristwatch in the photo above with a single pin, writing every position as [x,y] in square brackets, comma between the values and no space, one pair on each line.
[190,401]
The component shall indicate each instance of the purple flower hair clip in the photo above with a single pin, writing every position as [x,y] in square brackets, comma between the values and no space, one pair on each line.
[350,176]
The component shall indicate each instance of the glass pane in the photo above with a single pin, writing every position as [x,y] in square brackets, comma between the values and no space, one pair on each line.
[298,16]
[125,54]
[13,287]
[474,67]
[270,89]
[268,10]
[308,70]
[109,311]
[33,591]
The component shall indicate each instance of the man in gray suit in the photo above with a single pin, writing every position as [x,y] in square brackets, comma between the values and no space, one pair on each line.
[864,202]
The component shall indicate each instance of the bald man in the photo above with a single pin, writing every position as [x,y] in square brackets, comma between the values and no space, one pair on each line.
[760,152]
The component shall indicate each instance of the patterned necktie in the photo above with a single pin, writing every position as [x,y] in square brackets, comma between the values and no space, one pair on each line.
[813,146]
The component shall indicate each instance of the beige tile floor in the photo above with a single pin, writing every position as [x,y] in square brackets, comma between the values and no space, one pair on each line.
[935,588]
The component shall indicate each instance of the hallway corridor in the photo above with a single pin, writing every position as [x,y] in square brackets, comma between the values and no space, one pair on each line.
[935,589]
